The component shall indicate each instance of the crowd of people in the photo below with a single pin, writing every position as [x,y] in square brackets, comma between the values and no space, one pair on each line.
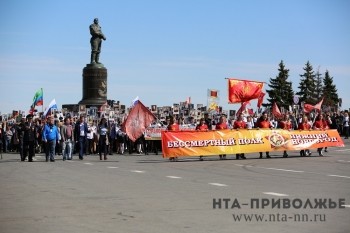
[78,135]
[63,137]
[288,121]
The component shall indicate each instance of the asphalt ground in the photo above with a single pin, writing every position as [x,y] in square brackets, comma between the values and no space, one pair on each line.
[146,193]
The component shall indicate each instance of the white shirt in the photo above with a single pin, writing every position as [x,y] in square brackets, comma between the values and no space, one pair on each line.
[92,130]
[346,121]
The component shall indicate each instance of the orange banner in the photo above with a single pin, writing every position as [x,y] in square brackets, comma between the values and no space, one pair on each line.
[199,143]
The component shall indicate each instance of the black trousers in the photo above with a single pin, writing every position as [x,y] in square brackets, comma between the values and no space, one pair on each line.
[28,150]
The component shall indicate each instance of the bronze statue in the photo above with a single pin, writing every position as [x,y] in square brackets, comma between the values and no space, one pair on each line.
[95,41]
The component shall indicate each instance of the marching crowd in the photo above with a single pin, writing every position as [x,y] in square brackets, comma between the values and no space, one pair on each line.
[64,137]
[73,135]
[288,121]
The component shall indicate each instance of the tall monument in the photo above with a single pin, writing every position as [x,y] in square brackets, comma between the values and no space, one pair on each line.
[95,74]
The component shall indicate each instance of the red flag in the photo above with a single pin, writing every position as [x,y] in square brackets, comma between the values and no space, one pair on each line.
[243,90]
[260,99]
[213,93]
[318,105]
[276,111]
[250,111]
[242,108]
[308,107]
[137,121]
[31,110]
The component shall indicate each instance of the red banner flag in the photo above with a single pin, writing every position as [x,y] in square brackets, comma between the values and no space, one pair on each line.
[213,93]
[250,111]
[242,108]
[31,110]
[260,99]
[276,111]
[308,107]
[137,121]
[318,105]
[243,90]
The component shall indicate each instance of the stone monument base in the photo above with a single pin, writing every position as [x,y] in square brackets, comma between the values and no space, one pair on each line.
[94,85]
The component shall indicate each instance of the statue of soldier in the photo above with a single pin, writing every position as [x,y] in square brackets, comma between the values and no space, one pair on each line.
[96,41]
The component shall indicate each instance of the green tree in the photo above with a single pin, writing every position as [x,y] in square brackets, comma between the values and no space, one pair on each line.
[281,90]
[318,84]
[329,91]
[307,85]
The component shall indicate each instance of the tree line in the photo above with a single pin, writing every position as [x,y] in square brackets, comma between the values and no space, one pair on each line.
[313,86]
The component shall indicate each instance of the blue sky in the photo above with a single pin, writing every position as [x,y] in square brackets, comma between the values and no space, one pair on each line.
[166,51]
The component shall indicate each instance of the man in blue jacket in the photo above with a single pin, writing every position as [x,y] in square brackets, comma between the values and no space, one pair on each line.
[51,136]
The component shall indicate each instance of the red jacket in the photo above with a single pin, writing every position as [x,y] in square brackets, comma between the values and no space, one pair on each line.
[173,127]
[286,125]
[239,125]
[304,126]
[264,124]
[203,127]
[321,124]
[221,126]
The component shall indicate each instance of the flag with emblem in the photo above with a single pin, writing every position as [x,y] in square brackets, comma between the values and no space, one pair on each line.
[38,99]
[213,100]
[240,91]
[137,121]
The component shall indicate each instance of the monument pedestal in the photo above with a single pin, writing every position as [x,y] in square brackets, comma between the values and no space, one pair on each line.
[94,85]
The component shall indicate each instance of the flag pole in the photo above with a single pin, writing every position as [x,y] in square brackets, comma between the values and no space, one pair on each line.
[42,106]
